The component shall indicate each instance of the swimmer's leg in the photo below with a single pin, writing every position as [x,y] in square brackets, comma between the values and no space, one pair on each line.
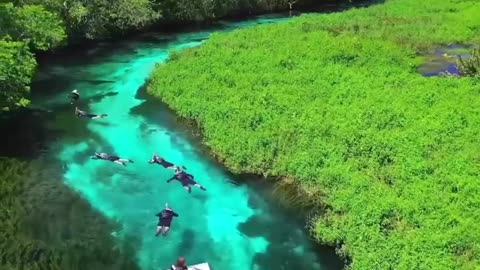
[159,230]
[96,117]
[188,188]
[200,186]
[120,162]
[124,160]
[166,231]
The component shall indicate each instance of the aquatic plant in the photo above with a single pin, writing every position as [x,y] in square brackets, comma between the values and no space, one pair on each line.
[334,103]
[471,65]
[39,231]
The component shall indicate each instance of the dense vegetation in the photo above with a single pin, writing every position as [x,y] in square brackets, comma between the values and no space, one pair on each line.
[333,104]
[23,29]
[471,65]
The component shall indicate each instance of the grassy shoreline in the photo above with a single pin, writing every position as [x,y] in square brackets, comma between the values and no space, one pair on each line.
[334,104]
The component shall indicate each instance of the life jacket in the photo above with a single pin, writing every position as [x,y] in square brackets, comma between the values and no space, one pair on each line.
[166,214]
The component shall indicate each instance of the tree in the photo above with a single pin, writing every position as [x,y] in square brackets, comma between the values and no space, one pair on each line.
[17,66]
[98,19]
[40,28]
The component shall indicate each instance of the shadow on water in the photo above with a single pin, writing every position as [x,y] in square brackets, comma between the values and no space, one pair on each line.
[188,242]
[24,134]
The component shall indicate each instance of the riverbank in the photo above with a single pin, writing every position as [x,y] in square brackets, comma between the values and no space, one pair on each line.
[243,226]
[339,109]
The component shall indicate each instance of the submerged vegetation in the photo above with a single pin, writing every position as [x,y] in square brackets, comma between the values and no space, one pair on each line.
[333,103]
[61,240]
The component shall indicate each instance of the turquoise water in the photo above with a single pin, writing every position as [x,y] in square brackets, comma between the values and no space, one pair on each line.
[231,226]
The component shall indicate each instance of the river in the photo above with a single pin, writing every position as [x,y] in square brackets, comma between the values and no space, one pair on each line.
[233,225]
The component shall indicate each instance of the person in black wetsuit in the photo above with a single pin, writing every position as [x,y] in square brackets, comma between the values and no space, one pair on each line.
[112,158]
[185,179]
[80,113]
[159,160]
[165,218]
[74,96]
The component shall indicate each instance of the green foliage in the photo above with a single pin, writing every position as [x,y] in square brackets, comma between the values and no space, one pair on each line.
[33,24]
[200,10]
[334,102]
[471,65]
[99,19]
[16,69]
[23,27]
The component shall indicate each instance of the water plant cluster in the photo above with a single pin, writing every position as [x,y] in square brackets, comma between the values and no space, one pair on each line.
[44,226]
[333,104]
[471,65]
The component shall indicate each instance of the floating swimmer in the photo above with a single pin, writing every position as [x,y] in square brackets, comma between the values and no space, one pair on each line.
[159,160]
[80,113]
[165,218]
[185,179]
[181,264]
[74,96]
[116,159]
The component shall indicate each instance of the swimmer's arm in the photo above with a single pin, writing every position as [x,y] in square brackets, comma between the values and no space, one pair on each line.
[169,180]
[174,214]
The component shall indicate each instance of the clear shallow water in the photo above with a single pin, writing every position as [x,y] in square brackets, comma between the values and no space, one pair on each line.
[231,226]
[444,60]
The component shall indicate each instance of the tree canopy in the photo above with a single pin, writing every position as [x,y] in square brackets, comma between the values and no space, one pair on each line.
[25,28]
[16,69]
[32,24]
[334,104]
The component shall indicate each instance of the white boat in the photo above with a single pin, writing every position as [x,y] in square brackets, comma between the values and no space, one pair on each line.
[201,266]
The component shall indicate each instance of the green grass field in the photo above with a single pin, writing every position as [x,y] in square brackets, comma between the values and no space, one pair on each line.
[334,103]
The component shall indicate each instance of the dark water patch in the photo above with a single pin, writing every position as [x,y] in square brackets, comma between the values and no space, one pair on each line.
[152,37]
[24,134]
[292,258]
[99,82]
[187,242]
[83,54]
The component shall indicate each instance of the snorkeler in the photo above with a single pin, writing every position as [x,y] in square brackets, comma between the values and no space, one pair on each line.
[185,179]
[159,160]
[74,96]
[181,264]
[116,159]
[165,218]
[80,113]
